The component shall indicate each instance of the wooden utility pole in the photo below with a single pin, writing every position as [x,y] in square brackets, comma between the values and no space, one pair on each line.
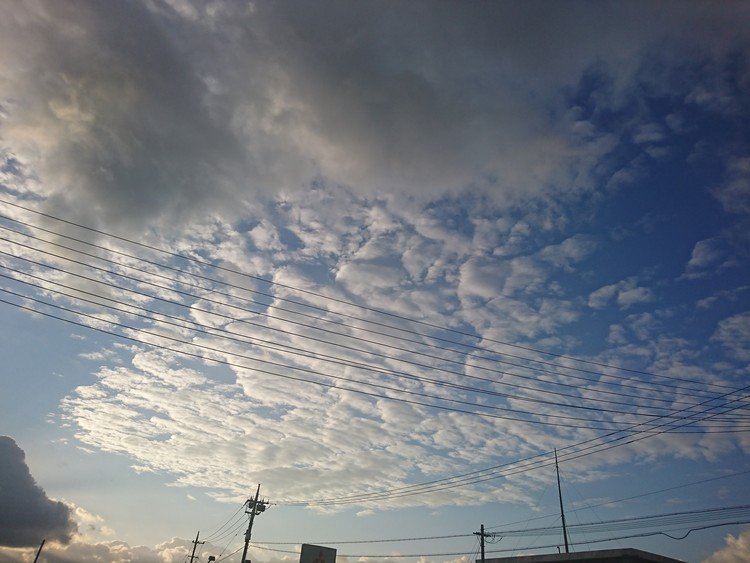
[562,512]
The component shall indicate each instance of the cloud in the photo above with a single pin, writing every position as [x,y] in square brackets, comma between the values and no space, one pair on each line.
[27,515]
[734,194]
[707,257]
[731,296]
[365,154]
[570,251]
[113,551]
[625,293]
[119,121]
[162,112]
[737,549]
[305,441]
[733,334]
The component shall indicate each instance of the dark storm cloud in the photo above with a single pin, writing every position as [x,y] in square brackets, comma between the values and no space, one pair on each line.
[138,112]
[27,515]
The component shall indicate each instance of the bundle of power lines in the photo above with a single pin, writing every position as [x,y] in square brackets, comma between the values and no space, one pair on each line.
[581,534]
[152,296]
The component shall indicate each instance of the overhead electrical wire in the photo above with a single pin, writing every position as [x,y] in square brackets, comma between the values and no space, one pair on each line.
[691,419]
[137,280]
[683,391]
[230,533]
[670,519]
[214,280]
[238,337]
[183,352]
[315,372]
[572,510]
[612,525]
[261,545]
[220,558]
[215,533]
[189,354]
[241,320]
[344,302]
[389,540]
[323,319]
[295,378]
[502,470]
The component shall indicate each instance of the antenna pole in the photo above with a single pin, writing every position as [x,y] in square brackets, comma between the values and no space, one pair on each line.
[562,511]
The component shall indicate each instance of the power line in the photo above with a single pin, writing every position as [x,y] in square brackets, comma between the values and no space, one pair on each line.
[503,470]
[303,336]
[237,337]
[649,520]
[323,319]
[632,497]
[531,547]
[295,378]
[212,535]
[342,378]
[342,301]
[187,353]
[350,363]
[389,540]
[266,343]
[690,392]
[670,519]
[250,368]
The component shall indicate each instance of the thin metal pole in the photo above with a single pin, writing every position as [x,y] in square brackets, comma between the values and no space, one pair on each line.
[562,512]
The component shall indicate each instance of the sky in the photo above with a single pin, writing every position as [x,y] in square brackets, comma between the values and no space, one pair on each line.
[383,259]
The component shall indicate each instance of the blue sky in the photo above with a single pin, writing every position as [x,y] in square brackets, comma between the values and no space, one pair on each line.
[344,250]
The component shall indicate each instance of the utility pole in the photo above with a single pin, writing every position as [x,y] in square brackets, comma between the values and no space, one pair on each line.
[254,508]
[195,544]
[40,550]
[562,512]
[481,535]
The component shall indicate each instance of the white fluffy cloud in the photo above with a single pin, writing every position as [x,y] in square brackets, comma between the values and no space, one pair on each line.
[304,441]
[736,550]
[625,294]
[734,334]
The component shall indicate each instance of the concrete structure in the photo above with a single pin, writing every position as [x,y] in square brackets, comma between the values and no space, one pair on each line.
[601,556]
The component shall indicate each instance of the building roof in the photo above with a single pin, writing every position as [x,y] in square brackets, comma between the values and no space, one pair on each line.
[628,555]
